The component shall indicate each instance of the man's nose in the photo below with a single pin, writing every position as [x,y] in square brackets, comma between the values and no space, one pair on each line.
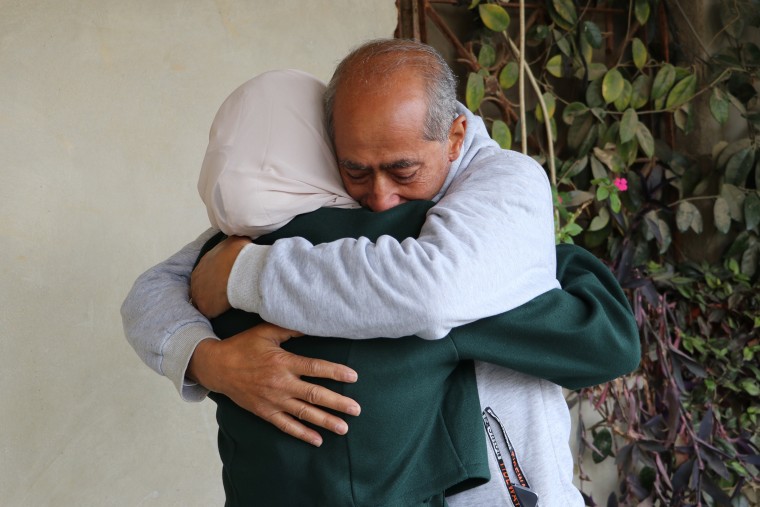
[382,196]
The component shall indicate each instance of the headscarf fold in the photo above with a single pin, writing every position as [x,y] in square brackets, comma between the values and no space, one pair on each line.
[269,157]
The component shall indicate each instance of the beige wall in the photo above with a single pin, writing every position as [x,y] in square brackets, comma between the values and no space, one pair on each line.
[105,107]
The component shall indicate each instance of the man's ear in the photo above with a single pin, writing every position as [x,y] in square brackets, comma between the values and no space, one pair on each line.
[456,137]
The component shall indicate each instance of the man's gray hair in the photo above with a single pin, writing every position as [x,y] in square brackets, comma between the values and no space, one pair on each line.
[382,57]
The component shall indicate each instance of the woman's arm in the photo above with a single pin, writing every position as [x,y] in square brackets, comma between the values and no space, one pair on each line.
[582,335]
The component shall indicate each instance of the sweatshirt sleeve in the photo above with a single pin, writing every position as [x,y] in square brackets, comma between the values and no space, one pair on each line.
[486,247]
[161,324]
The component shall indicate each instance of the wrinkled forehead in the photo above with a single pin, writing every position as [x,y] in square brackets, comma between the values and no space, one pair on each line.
[385,101]
[374,78]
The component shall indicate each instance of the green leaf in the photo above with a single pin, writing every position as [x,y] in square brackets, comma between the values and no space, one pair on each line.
[735,199]
[487,55]
[592,34]
[645,139]
[682,73]
[596,71]
[578,197]
[572,110]
[663,81]
[739,166]
[603,444]
[609,158]
[600,221]
[640,95]
[594,94]
[615,202]
[639,51]
[752,211]
[741,243]
[586,51]
[475,92]
[641,11]
[610,136]
[687,216]
[628,151]
[750,386]
[750,263]
[566,10]
[728,152]
[597,168]
[684,118]
[495,17]
[582,134]
[719,105]
[624,99]
[509,75]
[573,229]
[551,105]
[658,229]
[600,115]
[602,193]
[628,125]
[612,85]
[682,92]
[554,65]
[722,217]
[576,167]
[501,134]
[665,237]
[474,4]
[563,43]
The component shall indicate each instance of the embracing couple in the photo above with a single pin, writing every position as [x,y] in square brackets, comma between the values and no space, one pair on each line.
[379,268]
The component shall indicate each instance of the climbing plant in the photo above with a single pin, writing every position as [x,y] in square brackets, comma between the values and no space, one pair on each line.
[601,95]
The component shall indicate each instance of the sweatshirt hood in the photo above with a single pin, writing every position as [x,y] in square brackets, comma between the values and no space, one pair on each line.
[475,139]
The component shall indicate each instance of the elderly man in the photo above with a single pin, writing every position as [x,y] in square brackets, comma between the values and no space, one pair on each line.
[485,247]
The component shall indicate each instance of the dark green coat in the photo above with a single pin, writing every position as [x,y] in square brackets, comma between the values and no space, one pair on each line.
[420,430]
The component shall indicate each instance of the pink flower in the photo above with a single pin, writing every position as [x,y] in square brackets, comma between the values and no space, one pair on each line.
[621,184]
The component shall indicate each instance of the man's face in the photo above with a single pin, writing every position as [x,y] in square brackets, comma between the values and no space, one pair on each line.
[382,156]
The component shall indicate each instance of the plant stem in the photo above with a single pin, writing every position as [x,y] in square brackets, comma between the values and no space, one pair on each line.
[547,123]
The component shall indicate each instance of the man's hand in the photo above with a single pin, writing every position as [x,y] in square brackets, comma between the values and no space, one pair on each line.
[256,373]
[208,282]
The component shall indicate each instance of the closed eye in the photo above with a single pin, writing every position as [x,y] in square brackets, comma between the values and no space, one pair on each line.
[353,170]
[404,176]
[403,170]
[356,175]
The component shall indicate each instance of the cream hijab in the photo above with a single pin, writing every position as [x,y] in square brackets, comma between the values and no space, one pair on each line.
[268,157]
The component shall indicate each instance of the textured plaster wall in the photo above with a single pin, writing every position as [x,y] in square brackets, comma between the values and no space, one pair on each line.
[105,107]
